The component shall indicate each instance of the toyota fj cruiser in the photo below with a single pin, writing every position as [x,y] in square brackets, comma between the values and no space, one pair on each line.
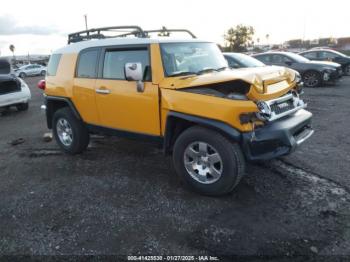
[179,93]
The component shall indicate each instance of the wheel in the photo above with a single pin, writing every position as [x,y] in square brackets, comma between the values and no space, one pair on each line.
[207,161]
[43,73]
[22,107]
[22,75]
[70,133]
[347,70]
[312,79]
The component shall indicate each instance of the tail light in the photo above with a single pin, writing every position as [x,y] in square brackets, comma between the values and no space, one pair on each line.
[42,84]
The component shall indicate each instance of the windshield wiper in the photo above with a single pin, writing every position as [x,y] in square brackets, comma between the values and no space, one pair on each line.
[184,73]
[206,70]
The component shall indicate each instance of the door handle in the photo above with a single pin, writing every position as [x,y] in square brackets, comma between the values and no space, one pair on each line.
[103,91]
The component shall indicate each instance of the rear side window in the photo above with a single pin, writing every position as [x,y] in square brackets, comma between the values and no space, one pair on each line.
[114,61]
[87,64]
[53,64]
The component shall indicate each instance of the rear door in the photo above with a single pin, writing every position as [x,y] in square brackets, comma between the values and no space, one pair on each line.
[120,105]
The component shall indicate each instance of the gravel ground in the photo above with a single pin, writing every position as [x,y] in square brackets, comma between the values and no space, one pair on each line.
[122,197]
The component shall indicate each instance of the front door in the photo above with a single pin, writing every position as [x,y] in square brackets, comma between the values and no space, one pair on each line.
[120,105]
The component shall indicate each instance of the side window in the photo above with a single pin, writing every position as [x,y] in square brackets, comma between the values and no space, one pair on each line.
[87,64]
[114,61]
[231,62]
[53,64]
[280,59]
[327,55]
[264,58]
[311,55]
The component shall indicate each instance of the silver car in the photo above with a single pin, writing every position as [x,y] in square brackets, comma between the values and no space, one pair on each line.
[30,70]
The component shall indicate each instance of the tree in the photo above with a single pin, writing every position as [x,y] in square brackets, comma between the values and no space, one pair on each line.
[267,38]
[239,38]
[12,49]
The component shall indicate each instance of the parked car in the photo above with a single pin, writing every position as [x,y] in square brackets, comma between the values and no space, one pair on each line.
[329,55]
[178,93]
[13,90]
[239,60]
[313,73]
[30,70]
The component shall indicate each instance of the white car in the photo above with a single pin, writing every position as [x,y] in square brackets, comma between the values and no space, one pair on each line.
[30,70]
[13,90]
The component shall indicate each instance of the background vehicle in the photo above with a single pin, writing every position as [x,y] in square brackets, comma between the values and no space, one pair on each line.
[313,73]
[30,70]
[329,55]
[239,60]
[179,93]
[13,90]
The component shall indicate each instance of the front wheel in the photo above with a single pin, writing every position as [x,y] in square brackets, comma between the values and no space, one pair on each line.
[70,133]
[347,70]
[207,161]
[43,73]
[22,75]
[312,79]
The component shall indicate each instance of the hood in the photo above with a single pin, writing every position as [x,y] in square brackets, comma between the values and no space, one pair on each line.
[325,63]
[254,75]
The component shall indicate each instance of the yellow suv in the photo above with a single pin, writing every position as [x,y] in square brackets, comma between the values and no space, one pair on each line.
[179,93]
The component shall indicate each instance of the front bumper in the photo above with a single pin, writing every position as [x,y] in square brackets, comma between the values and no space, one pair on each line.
[278,138]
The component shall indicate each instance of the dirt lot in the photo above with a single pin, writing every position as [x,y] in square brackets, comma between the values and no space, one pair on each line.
[123,197]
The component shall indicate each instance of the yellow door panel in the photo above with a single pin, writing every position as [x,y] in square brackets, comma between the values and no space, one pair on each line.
[84,99]
[120,106]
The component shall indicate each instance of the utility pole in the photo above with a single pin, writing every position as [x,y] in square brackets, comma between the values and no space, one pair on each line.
[85,17]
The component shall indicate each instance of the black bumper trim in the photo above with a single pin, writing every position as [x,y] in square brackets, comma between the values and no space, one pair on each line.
[277,138]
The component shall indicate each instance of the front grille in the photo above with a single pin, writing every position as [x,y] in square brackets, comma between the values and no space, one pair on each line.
[9,86]
[281,107]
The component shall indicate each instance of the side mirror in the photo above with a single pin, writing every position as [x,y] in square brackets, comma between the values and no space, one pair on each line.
[133,72]
[289,63]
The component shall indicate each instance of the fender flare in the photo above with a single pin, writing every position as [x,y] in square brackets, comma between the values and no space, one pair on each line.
[49,102]
[223,128]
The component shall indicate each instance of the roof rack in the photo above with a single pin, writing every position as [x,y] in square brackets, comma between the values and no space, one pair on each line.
[97,33]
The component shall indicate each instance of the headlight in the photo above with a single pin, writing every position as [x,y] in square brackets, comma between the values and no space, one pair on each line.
[329,70]
[264,110]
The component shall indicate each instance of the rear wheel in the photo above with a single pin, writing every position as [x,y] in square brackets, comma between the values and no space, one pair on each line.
[207,161]
[70,133]
[22,107]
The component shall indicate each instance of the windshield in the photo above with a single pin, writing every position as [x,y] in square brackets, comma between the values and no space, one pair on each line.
[338,53]
[247,60]
[191,58]
[298,58]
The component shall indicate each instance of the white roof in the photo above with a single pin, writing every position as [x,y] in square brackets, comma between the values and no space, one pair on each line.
[77,47]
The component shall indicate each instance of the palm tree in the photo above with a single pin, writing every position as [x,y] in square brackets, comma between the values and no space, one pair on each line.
[12,49]
[267,38]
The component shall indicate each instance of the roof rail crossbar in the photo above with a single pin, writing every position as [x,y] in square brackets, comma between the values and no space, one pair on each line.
[97,33]
[166,32]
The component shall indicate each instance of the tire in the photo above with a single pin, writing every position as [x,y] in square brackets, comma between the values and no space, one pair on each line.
[22,107]
[347,70]
[22,75]
[43,73]
[232,163]
[70,133]
[312,79]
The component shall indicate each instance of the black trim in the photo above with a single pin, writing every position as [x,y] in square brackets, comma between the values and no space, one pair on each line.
[221,127]
[95,129]
[276,138]
[49,101]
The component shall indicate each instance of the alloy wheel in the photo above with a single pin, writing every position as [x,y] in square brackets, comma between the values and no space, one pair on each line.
[203,162]
[64,132]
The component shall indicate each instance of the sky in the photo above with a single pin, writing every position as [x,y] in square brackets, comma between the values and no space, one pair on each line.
[41,26]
